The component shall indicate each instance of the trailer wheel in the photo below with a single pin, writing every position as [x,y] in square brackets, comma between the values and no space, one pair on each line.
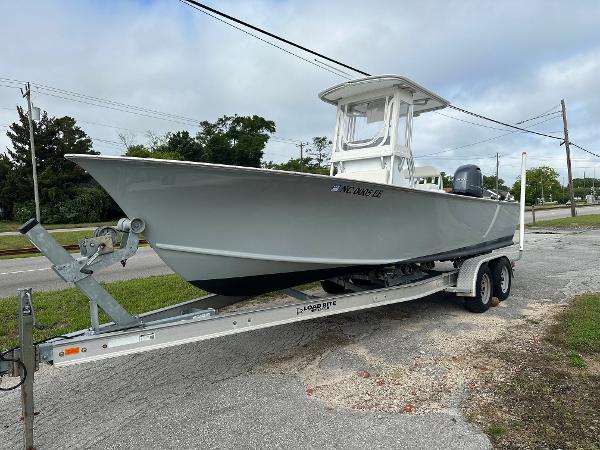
[332,288]
[502,278]
[483,291]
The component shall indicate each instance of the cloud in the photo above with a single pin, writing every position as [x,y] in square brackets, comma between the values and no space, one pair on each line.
[509,60]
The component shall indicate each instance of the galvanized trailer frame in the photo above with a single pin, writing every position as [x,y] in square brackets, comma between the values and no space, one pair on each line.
[199,319]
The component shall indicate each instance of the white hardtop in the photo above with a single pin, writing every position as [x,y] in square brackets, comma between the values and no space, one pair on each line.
[423,99]
[373,131]
[426,171]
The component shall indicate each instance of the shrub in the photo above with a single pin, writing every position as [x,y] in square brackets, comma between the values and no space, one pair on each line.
[88,204]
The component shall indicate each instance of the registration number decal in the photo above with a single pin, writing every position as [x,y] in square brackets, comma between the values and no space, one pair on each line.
[360,191]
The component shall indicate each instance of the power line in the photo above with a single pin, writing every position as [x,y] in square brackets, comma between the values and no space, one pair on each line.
[547,111]
[111,104]
[585,150]
[480,142]
[106,141]
[274,36]
[42,87]
[502,123]
[333,68]
[93,101]
[541,115]
[111,126]
[118,109]
[275,138]
[10,87]
[263,40]
[467,121]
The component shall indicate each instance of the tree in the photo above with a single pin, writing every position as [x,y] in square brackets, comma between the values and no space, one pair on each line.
[539,179]
[235,140]
[293,165]
[54,137]
[319,151]
[138,151]
[583,187]
[66,191]
[183,144]
[5,194]
[489,182]
[447,180]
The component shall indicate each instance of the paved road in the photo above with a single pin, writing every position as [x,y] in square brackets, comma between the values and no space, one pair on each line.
[35,272]
[297,386]
[557,213]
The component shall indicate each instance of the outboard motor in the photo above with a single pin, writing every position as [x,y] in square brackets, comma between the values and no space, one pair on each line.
[468,180]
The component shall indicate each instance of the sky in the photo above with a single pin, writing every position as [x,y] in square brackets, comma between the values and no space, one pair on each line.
[509,60]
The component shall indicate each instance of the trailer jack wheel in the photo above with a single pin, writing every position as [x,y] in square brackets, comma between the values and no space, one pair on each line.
[483,295]
[501,277]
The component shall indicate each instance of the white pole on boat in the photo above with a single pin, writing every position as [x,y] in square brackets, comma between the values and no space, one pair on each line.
[522,205]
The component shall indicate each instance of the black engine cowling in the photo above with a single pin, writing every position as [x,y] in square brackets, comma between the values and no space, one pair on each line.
[468,180]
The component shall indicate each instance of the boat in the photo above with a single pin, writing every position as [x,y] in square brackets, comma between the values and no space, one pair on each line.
[244,231]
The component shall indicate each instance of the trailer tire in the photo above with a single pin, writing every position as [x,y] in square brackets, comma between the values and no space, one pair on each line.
[332,288]
[501,277]
[483,291]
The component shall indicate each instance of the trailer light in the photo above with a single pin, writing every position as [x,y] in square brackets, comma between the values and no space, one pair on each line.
[72,350]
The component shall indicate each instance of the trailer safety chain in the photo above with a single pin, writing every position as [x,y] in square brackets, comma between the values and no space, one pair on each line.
[20,363]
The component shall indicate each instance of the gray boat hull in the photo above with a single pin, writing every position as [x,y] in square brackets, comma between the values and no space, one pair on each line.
[243,231]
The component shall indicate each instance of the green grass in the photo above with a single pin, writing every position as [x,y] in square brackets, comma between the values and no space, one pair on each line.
[496,430]
[7,225]
[21,241]
[550,398]
[581,324]
[585,221]
[576,360]
[68,310]
[554,206]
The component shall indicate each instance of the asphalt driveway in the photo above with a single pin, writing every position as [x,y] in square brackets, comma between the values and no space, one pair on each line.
[305,385]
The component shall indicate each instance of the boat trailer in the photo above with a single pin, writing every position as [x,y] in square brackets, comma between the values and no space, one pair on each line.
[478,279]
[200,319]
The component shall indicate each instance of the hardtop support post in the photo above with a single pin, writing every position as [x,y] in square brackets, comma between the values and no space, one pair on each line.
[27,357]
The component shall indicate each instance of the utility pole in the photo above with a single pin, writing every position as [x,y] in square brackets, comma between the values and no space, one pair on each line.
[32,145]
[542,183]
[569,172]
[301,145]
[497,164]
